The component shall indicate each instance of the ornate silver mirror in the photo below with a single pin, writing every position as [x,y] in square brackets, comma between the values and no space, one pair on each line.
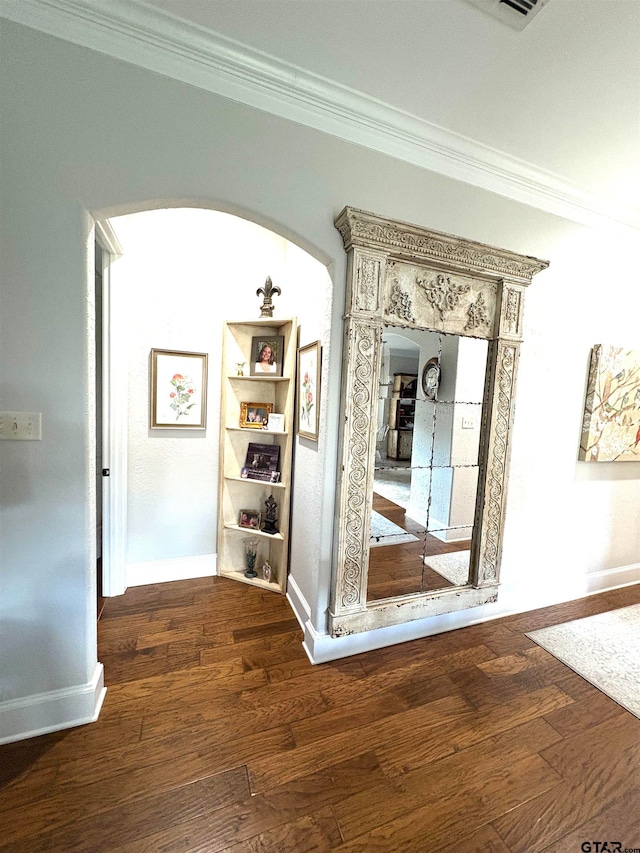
[432,335]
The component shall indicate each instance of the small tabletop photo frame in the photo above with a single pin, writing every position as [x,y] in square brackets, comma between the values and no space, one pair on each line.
[255,415]
[178,389]
[267,355]
[249,518]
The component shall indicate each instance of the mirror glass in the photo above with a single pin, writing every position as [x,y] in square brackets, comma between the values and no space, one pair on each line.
[431,387]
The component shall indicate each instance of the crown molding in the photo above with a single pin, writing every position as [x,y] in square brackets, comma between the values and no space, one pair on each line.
[145,36]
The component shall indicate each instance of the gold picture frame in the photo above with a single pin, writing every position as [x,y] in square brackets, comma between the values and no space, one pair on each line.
[255,415]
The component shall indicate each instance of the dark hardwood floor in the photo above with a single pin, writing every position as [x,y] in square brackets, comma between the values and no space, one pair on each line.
[218,735]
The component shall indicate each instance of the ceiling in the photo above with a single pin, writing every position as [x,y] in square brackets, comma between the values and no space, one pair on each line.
[562,95]
[549,115]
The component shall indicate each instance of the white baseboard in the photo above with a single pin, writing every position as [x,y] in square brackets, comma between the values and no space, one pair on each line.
[42,713]
[176,569]
[438,528]
[322,648]
[302,612]
[455,534]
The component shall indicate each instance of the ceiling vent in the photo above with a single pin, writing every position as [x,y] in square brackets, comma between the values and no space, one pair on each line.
[516,13]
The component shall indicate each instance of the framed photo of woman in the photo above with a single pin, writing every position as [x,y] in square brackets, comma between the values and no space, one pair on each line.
[267,355]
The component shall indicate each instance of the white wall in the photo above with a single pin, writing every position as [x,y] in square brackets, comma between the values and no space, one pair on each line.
[84,134]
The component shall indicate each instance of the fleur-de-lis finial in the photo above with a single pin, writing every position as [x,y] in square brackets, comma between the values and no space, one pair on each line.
[266,309]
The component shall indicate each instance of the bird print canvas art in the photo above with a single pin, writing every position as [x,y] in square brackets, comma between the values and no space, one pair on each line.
[611,423]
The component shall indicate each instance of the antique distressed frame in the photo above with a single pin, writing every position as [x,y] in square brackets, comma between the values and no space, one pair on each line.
[405,275]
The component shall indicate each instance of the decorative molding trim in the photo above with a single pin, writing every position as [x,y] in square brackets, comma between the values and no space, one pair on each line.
[150,38]
[177,569]
[115,417]
[108,239]
[368,283]
[442,293]
[477,313]
[356,467]
[400,304]
[406,241]
[498,464]
[31,716]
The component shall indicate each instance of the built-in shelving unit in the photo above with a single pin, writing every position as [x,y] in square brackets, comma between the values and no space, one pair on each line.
[239,493]
[401,416]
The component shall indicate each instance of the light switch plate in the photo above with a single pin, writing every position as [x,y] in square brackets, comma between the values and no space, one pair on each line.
[468,423]
[21,426]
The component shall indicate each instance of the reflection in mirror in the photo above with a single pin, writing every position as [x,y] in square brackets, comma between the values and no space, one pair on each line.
[426,470]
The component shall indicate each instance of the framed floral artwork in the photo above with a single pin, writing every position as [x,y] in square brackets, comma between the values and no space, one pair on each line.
[308,390]
[178,392]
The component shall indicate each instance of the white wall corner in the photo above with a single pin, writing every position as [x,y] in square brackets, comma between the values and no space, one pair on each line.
[176,569]
[42,713]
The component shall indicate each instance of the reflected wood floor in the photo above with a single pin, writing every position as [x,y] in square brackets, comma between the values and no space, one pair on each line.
[399,569]
[218,735]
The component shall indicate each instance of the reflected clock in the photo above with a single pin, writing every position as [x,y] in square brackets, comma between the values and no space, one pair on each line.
[431,378]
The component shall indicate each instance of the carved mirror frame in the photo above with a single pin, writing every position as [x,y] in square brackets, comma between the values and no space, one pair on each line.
[407,276]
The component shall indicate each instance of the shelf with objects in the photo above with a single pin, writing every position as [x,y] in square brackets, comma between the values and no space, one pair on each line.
[256,446]
[401,416]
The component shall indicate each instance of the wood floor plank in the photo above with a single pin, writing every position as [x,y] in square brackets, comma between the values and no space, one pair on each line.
[483,840]
[202,718]
[168,635]
[612,737]
[438,823]
[412,749]
[420,722]
[451,776]
[309,834]
[132,821]
[305,679]
[211,682]
[217,734]
[620,822]
[109,788]
[332,722]
[263,815]
[590,706]
[534,825]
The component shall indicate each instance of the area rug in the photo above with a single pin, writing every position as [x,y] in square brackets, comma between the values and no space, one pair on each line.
[604,649]
[453,567]
[394,485]
[385,532]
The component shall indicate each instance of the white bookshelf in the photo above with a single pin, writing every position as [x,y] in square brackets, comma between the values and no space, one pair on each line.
[238,493]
